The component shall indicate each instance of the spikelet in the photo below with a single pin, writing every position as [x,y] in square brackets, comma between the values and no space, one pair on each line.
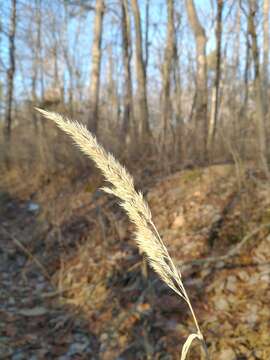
[122,186]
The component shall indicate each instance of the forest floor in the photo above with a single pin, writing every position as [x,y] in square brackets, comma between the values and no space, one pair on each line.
[73,285]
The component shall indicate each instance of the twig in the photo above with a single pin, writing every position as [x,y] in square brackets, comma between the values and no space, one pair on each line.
[234,251]
[26,251]
[55,293]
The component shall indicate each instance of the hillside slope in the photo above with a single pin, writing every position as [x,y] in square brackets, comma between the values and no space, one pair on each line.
[100,295]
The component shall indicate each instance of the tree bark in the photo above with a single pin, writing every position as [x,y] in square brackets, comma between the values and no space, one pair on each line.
[126,53]
[146,44]
[266,41]
[112,87]
[215,94]
[11,70]
[201,83]
[36,62]
[69,62]
[166,72]
[258,87]
[95,69]
[143,124]
[178,108]
[242,115]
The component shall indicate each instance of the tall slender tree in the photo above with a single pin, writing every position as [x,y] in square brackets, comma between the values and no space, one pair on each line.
[112,88]
[215,94]
[36,61]
[167,69]
[201,82]
[95,67]
[146,36]
[260,125]
[266,49]
[143,124]
[177,90]
[11,69]
[126,51]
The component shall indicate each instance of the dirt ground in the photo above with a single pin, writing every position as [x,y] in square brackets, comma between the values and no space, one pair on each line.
[73,285]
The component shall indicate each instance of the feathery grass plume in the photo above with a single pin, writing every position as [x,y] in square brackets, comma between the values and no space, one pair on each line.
[122,186]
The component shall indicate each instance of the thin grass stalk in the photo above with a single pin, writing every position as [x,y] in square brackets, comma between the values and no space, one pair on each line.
[146,234]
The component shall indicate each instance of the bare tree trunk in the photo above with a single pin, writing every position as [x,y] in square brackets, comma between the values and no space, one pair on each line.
[201,82]
[178,109]
[112,93]
[244,106]
[39,50]
[69,63]
[95,70]
[146,44]
[126,48]
[215,94]
[36,63]
[71,81]
[34,91]
[236,123]
[11,70]
[143,124]
[55,50]
[179,144]
[166,72]
[258,87]
[266,40]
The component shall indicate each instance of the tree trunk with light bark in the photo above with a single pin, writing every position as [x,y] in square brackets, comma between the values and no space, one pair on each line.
[11,70]
[215,92]
[143,124]
[200,140]
[126,53]
[95,67]
[260,125]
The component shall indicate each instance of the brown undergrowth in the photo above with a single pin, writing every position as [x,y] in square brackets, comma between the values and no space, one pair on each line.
[94,278]
[97,270]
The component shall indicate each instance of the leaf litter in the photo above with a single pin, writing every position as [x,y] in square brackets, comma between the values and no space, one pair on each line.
[103,303]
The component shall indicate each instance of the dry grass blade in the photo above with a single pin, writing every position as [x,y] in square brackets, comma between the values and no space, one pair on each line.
[188,343]
[122,186]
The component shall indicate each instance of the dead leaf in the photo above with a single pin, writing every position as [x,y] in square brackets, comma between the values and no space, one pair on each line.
[36,311]
[178,221]
[227,354]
